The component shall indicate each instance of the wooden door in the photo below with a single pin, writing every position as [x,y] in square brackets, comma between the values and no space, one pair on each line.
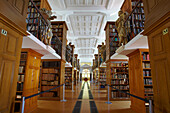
[10,48]
[12,20]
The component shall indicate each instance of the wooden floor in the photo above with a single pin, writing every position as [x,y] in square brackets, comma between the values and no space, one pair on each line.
[72,97]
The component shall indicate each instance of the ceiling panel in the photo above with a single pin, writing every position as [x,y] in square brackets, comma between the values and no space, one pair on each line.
[89,3]
[87,24]
[86,42]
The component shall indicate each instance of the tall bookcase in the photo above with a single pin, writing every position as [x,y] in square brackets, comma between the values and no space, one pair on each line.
[119,79]
[28,80]
[140,78]
[102,78]
[112,39]
[69,71]
[50,78]
[59,29]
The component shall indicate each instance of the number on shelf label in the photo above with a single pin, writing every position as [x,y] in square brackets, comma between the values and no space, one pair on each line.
[165,31]
[4,32]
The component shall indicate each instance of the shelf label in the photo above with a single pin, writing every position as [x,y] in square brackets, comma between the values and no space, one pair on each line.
[4,32]
[165,31]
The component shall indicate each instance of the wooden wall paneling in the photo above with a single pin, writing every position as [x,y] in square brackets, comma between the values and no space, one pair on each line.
[136,81]
[31,83]
[10,48]
[14,11]
[160,62]
[157,15]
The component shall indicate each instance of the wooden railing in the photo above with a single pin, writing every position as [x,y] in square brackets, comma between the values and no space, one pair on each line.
[36,24]
[134,23]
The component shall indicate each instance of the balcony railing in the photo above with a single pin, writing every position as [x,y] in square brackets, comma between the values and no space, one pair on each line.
[134,23]
[104,55]
[56,44]
[36,24]
[69,54]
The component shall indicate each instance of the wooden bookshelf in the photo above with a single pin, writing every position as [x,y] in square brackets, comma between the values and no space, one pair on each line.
[102,78]
[59,29]
[134,23]
[28,79]
[69,71]
[51,76]
[118,77]
[112,39]
[140,78]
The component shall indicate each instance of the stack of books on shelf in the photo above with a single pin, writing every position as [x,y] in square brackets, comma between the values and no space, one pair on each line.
[68,78]
[147,78]
[119,79]
[50,77]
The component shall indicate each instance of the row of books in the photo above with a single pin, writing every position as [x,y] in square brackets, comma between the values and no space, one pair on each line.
[22,62]
[146,65]
[57,26]
[20,86]
[50,94]
[21,69]
[145,56]
[113,43]
[48,64]
[138,17]
[148,90]
[149,97]
[121,87]
[50,71]
[103,80]
[21,78]
[68,77]
[119,76]
[147,73]
[68,70]
[68,74]
[32,28]
[147,81]
[49,82]
[111,26]
[23,55]
[122,81]
[102,76]
[111,39]
[102,86]
[68,82]
[119,64]
[113,34]
[116,70]
[119,95]
[49,77]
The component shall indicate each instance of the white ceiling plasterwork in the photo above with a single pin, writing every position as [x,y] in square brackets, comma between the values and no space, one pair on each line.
[86,20]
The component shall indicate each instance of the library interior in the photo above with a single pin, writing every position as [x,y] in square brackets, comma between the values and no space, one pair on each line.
[84,56]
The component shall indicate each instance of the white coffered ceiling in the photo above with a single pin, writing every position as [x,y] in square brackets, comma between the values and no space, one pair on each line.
[86,20]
